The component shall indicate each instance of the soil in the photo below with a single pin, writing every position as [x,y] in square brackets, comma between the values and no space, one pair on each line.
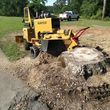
[55,88]
[60,89]
[14,93]
[95,36]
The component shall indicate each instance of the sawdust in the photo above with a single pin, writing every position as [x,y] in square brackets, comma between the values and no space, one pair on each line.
[58,88]
[24,65]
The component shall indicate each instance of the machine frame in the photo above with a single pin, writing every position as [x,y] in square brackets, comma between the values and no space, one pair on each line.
[38,32]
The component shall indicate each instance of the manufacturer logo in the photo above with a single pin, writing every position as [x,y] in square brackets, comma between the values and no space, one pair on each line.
[42,22]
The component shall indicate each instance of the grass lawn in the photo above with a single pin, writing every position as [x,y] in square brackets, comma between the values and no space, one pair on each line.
[13,24]
[9,47]
[85,22]
[10,24]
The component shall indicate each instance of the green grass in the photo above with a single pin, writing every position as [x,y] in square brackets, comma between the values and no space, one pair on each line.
[7,44]
[10,24]
[12,51]
[85,22]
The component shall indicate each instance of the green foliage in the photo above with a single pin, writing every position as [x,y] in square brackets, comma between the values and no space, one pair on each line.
[91,8]
[108,8]
[87,23]
[15,7]
[37,6]
[59,6]
[50,9]
[64,5]
[98,15]
[10,24]
[107,18]
[87,8]
[12,7]
[11,50]
[75,5]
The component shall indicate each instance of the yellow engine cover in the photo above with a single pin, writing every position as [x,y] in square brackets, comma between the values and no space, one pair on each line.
[42,25]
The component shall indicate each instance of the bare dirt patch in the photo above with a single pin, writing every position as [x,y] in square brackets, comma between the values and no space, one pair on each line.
[94,36]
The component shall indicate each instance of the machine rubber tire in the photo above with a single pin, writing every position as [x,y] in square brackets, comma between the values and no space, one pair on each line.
[34,51]
[61,19]
[26,45]
[77,18]
[69,18]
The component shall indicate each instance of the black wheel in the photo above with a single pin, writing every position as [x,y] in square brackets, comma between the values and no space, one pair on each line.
[77,18]
[34,51]
[61,19]
[27,45]
[69,18]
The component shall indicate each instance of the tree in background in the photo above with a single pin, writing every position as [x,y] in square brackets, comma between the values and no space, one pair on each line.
[74,5]
[59,6]
[37,6]
[50,9]
[15,7]
[104,8]
[91,8]
[12,7]
[87,8]
[107,8]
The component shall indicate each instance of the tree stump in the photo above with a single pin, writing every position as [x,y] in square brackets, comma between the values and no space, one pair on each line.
[89,68]
[84,61]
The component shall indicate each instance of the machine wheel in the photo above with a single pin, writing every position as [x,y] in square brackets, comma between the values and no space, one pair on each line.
[77,18]
[34,51]
[27,45]
[69,18]
[61,19]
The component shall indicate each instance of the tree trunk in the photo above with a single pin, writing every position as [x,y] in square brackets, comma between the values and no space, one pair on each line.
[84,61]
[104,8]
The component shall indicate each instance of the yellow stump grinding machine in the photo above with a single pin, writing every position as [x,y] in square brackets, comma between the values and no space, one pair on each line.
[44,34]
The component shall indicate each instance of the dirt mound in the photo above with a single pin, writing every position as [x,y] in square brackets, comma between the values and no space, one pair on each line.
[27,101]
[61,89]
[24,65]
